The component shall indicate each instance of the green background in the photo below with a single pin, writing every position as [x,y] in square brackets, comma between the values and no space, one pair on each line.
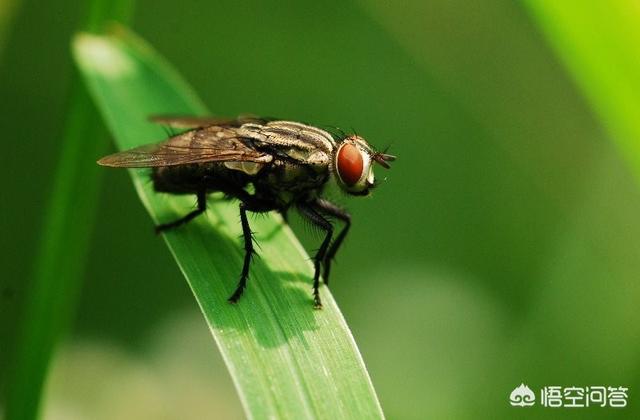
[502,248]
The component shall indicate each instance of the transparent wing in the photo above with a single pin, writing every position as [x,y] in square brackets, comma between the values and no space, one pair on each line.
[210,144]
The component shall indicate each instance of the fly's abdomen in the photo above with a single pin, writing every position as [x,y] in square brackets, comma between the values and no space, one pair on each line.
[189,179]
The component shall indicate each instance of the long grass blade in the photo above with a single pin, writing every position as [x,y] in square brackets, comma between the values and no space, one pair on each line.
[598,42]
[286,359]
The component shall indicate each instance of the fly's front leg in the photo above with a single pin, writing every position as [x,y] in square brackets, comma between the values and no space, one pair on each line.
[202,206]
[317,219]
[332,210]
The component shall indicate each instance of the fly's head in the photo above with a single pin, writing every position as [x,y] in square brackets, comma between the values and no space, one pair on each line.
[353,165]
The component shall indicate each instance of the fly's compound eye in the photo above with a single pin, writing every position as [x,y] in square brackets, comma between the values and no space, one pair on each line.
[350,164]
[353,167]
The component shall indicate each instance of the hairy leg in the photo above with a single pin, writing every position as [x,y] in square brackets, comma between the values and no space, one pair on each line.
[249,203]
[202,206]
[331,209]
[248,254]
[311,214]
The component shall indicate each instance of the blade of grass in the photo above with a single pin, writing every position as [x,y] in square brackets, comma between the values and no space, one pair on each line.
[598,42]
[51,296]
[286,360]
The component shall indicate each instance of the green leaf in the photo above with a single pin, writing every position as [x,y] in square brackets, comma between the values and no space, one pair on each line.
[598,42]
[286,359]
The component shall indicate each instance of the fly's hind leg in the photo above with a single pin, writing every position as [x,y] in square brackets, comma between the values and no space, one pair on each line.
[202,206]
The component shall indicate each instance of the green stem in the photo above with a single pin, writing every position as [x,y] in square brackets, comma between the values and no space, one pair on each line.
[52,293]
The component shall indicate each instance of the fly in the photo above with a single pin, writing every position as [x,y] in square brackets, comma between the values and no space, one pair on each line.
[267,165]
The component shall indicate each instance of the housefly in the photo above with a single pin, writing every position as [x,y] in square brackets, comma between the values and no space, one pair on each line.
[267,165]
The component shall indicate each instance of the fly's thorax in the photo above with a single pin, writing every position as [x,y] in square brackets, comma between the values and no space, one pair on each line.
[296,177]
[300,142]
[352,165]
[283,177]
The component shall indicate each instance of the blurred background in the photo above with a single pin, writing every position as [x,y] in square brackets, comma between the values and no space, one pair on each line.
[502,249]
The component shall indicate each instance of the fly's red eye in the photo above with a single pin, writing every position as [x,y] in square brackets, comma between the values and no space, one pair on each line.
[350,164]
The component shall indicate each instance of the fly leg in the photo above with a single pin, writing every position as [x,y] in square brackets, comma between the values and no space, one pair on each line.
[308,211]
[249,203]
[202,206]
[332,210]
[248,254]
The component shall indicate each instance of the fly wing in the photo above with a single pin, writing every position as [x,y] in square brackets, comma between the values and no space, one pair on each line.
[186,121]
[210,144]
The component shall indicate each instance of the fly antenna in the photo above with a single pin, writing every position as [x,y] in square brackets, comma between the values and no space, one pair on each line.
[383,158]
